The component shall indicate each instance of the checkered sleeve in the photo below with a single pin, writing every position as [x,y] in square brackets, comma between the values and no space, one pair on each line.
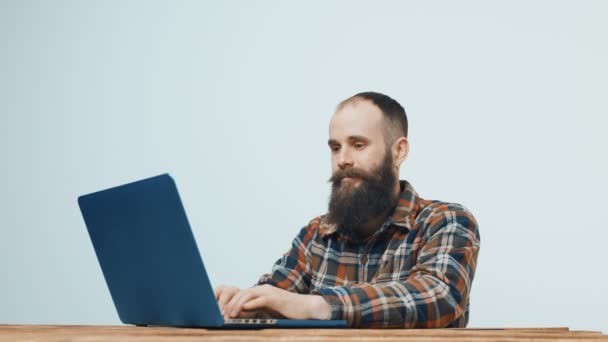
[292,271]
[431,294]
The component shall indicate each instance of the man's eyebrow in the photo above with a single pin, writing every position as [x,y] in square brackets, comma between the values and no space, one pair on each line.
[358,137]
[350,138]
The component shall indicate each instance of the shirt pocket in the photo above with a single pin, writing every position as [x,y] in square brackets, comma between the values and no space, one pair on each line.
[331,274]
[323,276]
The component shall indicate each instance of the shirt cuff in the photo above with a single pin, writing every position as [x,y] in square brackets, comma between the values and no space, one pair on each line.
[266,282]
[266,279]
[334,299]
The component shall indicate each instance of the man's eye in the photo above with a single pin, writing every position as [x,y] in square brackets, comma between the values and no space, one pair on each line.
[334,148]
[359,145]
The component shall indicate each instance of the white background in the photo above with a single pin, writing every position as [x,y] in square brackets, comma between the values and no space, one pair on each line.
[506,101]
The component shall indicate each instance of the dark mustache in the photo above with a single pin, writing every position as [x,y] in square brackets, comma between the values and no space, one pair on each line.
[350,172]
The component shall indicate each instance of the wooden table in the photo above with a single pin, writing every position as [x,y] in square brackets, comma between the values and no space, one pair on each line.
[130,333]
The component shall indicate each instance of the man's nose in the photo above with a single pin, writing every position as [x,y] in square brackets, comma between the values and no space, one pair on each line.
[345,159]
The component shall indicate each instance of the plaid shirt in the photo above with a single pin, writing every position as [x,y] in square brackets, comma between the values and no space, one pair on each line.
[414,272]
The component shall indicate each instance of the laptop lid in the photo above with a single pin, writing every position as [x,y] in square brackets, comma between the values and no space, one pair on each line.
[149,256]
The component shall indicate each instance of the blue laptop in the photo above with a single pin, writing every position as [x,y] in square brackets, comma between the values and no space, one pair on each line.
[151,263]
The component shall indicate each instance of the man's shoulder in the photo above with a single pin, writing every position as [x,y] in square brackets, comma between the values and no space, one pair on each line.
[315,222]
[435,212]
[316,227]
[319,227]
[436,207]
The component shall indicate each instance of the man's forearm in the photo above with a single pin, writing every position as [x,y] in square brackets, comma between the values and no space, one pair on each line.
[319,307]
[396,304]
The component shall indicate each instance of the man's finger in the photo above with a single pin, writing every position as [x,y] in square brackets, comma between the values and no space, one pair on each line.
[251,294]
[232,302]
[228,305]
[218,291]
[257,303]
[225,296]
[237,306]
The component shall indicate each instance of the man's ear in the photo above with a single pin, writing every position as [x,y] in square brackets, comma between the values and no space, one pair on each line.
[401,147]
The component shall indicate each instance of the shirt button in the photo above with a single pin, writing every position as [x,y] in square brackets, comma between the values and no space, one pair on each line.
[363,259]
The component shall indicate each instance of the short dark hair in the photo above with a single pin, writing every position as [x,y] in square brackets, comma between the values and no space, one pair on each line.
[394,113]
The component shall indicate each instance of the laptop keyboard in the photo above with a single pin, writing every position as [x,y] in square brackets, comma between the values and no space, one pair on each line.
[250,321]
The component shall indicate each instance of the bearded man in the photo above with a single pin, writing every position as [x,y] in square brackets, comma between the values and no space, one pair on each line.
[382,257]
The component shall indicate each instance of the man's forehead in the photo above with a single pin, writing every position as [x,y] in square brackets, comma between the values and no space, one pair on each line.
[357,118]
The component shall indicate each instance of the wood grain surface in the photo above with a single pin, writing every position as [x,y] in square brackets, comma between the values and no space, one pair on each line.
[130,333]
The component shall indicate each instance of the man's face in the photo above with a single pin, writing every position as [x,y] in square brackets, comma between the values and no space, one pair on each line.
[356,139]
[363,177]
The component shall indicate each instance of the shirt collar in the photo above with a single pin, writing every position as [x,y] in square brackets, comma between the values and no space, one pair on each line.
[402,216]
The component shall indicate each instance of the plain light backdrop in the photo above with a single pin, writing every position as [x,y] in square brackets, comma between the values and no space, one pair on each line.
[507,103]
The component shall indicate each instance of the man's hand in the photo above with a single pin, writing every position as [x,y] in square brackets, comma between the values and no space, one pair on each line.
[270,299]
[224,294]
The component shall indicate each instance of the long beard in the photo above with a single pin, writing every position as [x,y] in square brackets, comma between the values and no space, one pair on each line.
[351,206]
